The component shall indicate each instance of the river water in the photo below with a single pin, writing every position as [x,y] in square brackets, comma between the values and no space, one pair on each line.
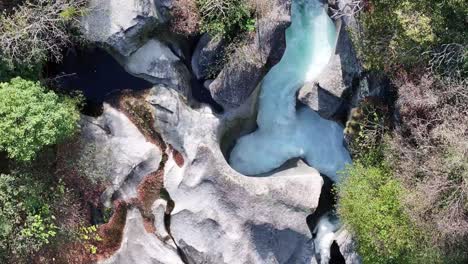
[287,131]
[284,131]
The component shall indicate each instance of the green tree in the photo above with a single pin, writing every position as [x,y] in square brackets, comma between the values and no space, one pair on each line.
[32,117]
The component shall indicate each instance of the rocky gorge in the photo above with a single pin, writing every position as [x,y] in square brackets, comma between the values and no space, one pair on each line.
[177,152]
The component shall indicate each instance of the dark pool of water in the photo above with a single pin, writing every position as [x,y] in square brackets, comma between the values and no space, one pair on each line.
[98,75]
[93,72]
[202,95]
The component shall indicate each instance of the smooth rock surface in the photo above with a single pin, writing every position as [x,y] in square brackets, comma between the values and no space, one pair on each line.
[120,24]
[121,152]
[156,63]
[221,216]
[139,246]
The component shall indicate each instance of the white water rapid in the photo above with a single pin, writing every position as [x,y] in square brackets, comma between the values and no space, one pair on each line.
[284,131]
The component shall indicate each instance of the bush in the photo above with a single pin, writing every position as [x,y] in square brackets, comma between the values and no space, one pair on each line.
[369,204]
[365,131]
[430,156]
[225,18]
[405,33]
[31,118]
[35,32]
[26,219]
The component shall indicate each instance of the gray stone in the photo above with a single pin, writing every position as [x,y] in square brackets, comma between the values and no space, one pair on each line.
[120,25]
[139,246]
[221,216]
[121,152]
[347,246]
[251,61]
[320,100]
[207,53]
[156,63]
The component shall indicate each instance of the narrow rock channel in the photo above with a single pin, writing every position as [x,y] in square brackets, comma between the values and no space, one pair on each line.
[286,131]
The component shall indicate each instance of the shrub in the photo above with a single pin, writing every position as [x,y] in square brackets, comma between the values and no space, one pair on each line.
[225,17]
[365,130]
[27,222]
[369,204]
[36,31]
[31,118]
[430,156]
[400,33]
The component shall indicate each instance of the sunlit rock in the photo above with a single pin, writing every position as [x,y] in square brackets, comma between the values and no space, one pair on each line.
[139,246]
[221,216]
[120,24]
[156,63]
[120,151]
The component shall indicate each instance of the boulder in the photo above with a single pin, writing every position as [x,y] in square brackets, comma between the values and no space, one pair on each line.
[250,62]
[207,53]
[156,63]
[119,151]
[139,246]
[320,100]
[221,216]
[120,25]
[326,94]
[347,246]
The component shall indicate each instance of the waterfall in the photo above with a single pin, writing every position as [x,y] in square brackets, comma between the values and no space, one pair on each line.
[285,132]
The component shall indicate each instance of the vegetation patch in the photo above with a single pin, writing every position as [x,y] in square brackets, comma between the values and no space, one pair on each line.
[225,18]
[406,34]
[185,17]
[111,233]
[32,117]
[36,31]
[177,156]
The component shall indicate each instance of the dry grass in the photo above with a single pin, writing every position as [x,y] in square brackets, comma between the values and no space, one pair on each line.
[38,30]
[185,17]
[112,232]
[430,154]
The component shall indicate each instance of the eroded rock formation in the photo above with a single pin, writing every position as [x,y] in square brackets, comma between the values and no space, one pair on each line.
[198,209]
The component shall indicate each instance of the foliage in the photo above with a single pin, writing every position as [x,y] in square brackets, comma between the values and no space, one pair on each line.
[89,235]
[429,153]
[225,18]
[35,32]
[27,222]
[397,33]
[31,118]
[366,129]
[9,70]
[369,203]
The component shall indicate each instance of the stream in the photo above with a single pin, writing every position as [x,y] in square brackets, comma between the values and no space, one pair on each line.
[286,130]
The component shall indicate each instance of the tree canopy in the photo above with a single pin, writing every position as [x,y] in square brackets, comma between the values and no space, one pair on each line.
[32,117]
